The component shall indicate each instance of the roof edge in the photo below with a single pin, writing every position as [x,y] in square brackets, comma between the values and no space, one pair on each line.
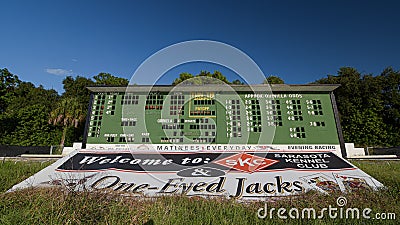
[218,87]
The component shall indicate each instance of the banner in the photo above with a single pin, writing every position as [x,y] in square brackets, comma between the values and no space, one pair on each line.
[216,147]
[239,175]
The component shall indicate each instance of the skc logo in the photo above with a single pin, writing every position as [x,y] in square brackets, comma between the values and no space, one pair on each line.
[246,162]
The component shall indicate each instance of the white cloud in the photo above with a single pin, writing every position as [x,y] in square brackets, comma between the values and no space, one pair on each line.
[59,72]
[74,60]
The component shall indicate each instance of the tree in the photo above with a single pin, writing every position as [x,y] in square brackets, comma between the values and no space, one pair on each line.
[77,88]
[368,106]
[32,115]
[237,82]
[68,113]
[218,75]
[8,82]
[32,129]
[108,79]
[204,77]
[24,118]
[27,93]
[273,80]
[390,80]
[366,127]
[182,77]
[8,122]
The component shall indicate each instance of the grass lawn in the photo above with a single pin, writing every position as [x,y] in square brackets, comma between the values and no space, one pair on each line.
[55,206]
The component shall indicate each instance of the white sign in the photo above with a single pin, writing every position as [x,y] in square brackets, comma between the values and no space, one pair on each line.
[233,174]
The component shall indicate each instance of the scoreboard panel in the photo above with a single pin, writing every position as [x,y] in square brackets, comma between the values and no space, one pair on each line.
[238,114]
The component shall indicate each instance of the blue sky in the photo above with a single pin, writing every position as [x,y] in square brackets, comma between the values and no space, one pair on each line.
[300,41]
